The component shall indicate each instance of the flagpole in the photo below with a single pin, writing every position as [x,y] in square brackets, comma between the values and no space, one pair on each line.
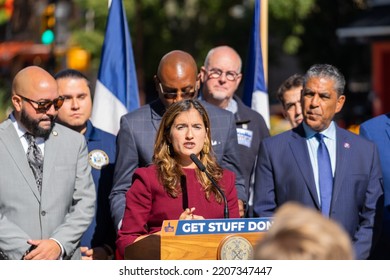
[255,80]
[264,36]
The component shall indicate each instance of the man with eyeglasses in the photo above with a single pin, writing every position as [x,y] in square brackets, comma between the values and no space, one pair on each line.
[176,79]
[47,192]
[221,76]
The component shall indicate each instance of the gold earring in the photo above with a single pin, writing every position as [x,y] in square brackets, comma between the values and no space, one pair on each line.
[206,148]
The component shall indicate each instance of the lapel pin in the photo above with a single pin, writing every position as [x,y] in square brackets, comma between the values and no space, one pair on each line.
[347,146]
[55,133]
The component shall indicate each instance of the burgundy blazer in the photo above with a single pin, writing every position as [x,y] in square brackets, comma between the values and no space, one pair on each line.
[148,204]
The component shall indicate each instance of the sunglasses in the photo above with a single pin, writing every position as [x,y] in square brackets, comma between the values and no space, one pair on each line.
[44,106]
[173,95]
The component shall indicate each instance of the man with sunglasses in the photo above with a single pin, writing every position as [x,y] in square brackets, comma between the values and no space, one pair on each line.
[221,76]
[47,192]
[176,79]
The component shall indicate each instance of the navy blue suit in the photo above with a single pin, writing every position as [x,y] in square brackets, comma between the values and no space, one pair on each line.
[101,231]
[378,131]
[284,173]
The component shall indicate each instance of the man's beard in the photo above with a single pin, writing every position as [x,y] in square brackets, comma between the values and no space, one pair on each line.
[33,125]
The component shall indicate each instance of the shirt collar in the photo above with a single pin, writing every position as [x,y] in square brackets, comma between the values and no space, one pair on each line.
[20,130]
[232,106]
[91,133]
[330,132]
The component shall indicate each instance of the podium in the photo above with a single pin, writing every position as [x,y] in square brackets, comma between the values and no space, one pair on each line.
[231,239]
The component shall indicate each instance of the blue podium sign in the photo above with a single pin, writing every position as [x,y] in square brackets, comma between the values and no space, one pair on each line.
[215,226]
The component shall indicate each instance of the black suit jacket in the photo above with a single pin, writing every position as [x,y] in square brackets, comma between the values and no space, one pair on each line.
[249,121]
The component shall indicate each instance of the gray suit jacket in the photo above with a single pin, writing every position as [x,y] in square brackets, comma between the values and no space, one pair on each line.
[66,205]
[135,145]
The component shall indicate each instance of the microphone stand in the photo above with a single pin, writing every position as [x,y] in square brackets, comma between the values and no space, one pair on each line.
[202,168]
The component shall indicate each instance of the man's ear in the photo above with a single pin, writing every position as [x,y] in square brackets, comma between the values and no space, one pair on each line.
[198,81]
[340,103]
[238,79]
[16,102]
[202,74]
[156,82]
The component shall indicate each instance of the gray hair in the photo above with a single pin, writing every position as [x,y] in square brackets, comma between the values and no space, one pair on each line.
[327,71]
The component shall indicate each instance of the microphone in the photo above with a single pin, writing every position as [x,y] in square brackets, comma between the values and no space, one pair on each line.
[183,184]
[202,168]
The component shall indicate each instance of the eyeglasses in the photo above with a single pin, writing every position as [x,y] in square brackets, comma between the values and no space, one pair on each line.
[215,73]
[173,95]
[44,106]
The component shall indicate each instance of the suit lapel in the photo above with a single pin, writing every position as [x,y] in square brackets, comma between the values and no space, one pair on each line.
[157,111]
[342,155]
[156,120]
[300,151]
[51,147]
[388,129]
[12,143]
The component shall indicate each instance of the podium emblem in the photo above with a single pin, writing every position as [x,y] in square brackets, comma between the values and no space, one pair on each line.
[235,247]
[169,228]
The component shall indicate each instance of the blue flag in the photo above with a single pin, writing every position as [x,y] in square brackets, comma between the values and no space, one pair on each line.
[255,89]
[116,90]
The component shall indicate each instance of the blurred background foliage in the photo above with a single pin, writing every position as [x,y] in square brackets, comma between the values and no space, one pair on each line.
[195,26]
[301,33]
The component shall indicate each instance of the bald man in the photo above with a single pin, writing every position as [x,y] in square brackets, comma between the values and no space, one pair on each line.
[47,192]
[176,79]
[221,76]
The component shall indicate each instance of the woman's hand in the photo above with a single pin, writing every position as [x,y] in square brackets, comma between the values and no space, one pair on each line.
[188,214]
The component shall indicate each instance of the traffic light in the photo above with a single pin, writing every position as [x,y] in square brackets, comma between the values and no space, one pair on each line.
[6,10]
[78,58]
[9,7]
[48,24]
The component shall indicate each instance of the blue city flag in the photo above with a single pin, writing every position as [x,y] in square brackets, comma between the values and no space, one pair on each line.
[116,91]
[255,88]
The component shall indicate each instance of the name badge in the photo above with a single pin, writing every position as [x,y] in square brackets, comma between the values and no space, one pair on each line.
[244,137]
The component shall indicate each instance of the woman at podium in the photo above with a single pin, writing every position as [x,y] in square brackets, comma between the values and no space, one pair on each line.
[173,187]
